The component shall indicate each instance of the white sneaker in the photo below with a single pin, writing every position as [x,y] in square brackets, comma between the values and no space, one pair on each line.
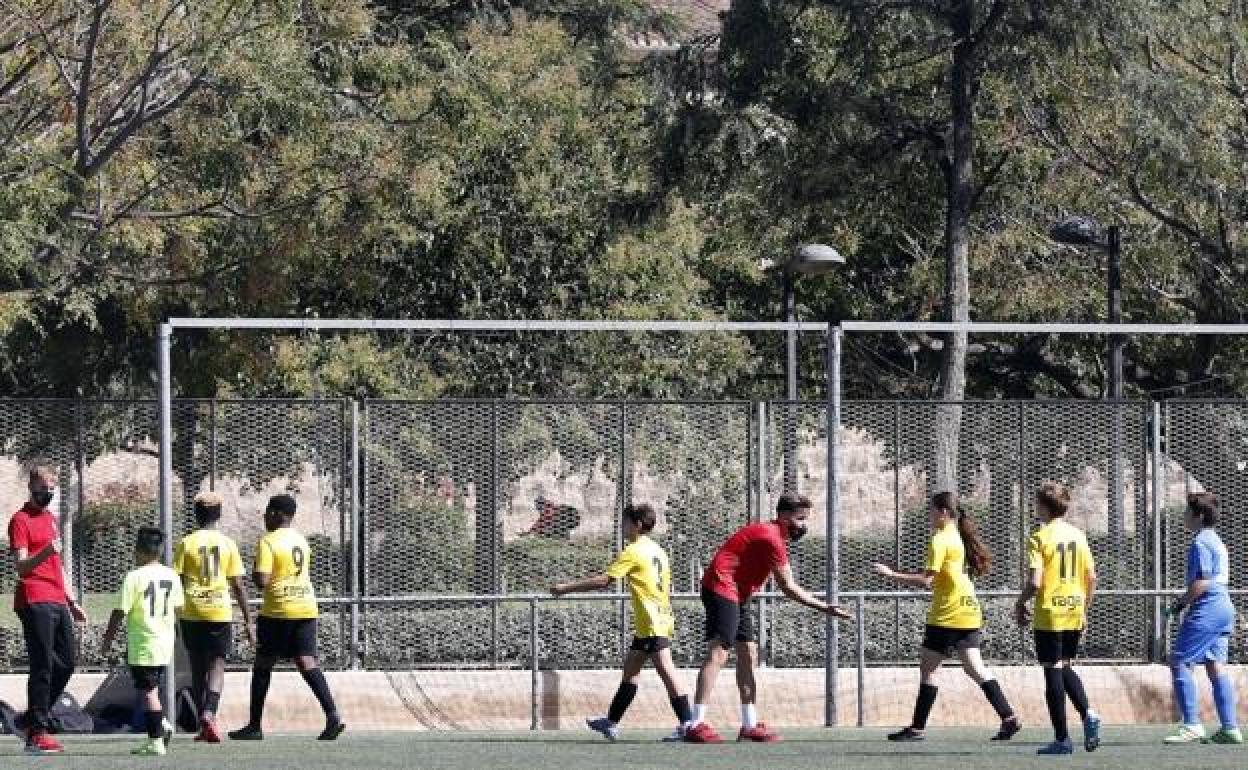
[1185,734]
[150,747]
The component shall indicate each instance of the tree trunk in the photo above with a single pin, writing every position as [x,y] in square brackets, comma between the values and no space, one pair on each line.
[960,176]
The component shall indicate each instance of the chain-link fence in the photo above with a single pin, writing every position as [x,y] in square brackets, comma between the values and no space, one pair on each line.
[467,507]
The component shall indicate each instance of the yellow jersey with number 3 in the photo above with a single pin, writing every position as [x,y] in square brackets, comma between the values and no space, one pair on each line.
[643,565]
[206,560]
[287,559]
[1060,551]
[953,594]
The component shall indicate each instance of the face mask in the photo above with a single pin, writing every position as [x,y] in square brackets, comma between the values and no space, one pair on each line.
[796,532]
[42,498]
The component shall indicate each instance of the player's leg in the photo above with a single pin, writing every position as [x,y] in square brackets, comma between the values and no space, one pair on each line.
[147,683]
[39,633]
[931,655]
[973,665]
[1190,646]
[1049,654]
[271,641]
[665,667]
[1073,685]
[634,661]
[722,619]
[303,652]
[752,728]
[1223,695]
[63,652]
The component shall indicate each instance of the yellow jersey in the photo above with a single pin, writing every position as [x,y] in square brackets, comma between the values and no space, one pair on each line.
[150,597]
[953,594]
[284,555]
[206,560]
[1061,552]
[643,563]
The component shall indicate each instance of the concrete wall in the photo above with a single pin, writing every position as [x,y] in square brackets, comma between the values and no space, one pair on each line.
[500,700]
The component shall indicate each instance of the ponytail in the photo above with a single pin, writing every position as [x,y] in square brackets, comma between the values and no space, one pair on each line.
[978,557]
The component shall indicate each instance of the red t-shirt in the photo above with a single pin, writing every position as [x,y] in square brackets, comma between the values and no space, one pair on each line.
[33,528]
[742,564]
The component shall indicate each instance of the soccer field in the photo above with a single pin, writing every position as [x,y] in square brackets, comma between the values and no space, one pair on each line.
[1124,749]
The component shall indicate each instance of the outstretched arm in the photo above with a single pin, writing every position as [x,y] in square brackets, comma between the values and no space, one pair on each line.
[595,583]
[913,579]
[789,587]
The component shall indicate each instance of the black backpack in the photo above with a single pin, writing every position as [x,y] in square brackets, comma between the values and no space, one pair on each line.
[68,717]
[7,715]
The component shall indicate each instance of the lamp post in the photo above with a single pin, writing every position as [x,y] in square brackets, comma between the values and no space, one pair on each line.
[1085,231]
[808,259]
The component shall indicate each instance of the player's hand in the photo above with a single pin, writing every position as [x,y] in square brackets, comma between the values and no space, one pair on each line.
[1176,608]
[105,644]
[883,570]
[557,590]
[77,613]
[53,548]
[838,612]
[1022,613]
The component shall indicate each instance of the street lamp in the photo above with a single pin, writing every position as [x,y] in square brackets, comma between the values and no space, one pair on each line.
[809,259]
[1086,231]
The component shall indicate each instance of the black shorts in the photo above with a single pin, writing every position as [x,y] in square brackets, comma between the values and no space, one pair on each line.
[1052,647]
[650,644]
[147,678]
[285,637]
[206,640]
[948,641]
[726,620]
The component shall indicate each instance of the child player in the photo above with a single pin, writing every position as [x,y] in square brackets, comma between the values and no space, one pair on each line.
[150,597]
[644,565]
[1061,576]
[211,569]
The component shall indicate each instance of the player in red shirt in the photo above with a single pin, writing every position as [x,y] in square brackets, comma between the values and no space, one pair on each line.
[741,566]
[47,613]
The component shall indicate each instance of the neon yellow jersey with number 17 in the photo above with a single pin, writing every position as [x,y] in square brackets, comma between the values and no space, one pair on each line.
[643,564]
[206,560]
[1060,551]
[150,597]
[287,559]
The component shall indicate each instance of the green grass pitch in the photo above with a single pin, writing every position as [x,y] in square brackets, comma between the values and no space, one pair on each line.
[1125,748]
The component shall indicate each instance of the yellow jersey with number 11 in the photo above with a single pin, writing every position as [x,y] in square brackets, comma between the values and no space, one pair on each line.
[643,565]
[1060,551]
[206,560]
[287,559]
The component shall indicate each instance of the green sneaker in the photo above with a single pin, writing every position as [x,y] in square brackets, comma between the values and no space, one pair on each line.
[150,747]
[1185,734]
[1230,736]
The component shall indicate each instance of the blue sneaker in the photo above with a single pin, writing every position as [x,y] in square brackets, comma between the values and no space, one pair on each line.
[1057,747]
[1092,732]
[605,727]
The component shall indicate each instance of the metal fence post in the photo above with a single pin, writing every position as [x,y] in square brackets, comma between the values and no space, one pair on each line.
[1023,498]
[861,619]
[361,527]
[69,551]
[534,683]
[1158,567]
[354,654]
[897,521]
[496,531]
[832,528]
[164,341]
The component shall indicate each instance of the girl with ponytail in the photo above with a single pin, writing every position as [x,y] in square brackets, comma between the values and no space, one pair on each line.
[954,618]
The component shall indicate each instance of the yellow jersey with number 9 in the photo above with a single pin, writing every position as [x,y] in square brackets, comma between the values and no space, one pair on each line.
[287,559]
[643,564]
[1060,551]
[206,560]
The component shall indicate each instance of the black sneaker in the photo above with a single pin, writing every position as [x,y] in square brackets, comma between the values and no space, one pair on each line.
[248,733]
[332,730]
[906,734]
[1009,728]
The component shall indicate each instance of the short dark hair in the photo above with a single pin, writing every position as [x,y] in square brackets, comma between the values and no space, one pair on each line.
[149,540]
[1204,505]
[641,514]
[283,504]
[1054,497]
[207,507]
[790,503]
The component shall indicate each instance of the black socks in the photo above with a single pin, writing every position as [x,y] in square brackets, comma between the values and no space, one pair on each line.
[320,688]
[259,691]
[923,705]
[155,724]
[684,714]
[1055,697]
[1074,690]
[622,700]
[992,690]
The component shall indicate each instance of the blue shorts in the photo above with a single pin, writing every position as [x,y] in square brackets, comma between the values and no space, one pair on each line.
[1196,645]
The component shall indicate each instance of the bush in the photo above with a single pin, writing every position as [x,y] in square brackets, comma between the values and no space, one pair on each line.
[424,549]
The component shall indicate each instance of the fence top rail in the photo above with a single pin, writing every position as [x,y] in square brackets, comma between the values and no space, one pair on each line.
[561,401]
[993,327]
[513,325]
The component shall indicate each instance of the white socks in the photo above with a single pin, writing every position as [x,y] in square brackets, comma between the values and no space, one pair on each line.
[699,714]
[749,715]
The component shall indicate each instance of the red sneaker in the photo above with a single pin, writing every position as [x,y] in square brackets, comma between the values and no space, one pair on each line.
[42,743]
[702,733]
[208,732]
[759,733]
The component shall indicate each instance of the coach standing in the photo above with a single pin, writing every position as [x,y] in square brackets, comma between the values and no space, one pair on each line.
[45,609]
